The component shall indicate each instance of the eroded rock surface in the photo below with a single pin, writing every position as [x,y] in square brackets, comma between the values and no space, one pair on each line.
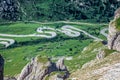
[117,13]
[105,69]
[114,34]
[39,68]
[112,73]
[101,55]
[60,65]
[10,78]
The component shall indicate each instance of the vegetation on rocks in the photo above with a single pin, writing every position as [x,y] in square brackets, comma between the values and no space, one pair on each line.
[117,24]
[42,59]
[96,69]
[108,51]
[89,53]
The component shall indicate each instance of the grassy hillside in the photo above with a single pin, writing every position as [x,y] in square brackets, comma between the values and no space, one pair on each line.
[17,55]
[86,55]
[117,24]
[95,69]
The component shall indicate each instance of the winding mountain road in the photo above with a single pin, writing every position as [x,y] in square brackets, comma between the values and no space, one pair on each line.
[67,30]
[67,27]
[7,42]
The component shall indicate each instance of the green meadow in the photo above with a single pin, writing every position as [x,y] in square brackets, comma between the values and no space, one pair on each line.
[19,54]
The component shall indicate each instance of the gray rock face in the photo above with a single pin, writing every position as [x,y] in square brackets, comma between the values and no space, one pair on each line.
[117,13]
[114,34]
[58,76]
[100,55]
[1,67]
[36,70]
[10,78]
[60,65]
[112,73]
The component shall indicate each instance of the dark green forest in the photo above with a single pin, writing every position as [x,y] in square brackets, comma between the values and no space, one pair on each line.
[56,10]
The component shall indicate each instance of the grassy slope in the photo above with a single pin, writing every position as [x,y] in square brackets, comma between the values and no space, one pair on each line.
[117,23]
[26,48]
[85,56]
[88,73]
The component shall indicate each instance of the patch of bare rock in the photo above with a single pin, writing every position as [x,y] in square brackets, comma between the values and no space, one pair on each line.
[114,34]
[40,68]
[112,72]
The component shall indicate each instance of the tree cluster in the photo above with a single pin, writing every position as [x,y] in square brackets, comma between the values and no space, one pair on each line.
[9,10]
[52,10]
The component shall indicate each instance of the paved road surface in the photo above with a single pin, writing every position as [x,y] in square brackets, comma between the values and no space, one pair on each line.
[103,32]
[67,30]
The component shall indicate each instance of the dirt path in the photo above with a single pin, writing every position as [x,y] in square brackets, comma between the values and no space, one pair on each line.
[68,22]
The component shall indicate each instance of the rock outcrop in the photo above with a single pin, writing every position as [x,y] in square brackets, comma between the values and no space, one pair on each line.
[114,34]
[117,13]
[105,69]
[60,65]
[1,67]
[58,76]
[111,72]
[41,67]
[106,66]
[101,55]
[10,78]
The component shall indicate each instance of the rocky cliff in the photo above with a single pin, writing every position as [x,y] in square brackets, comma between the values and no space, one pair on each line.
[114,33]
[105,69]
[1,67]
[107,64]
[40,68]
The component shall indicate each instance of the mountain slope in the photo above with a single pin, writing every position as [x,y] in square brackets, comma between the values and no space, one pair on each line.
[52,10]
[105,68]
